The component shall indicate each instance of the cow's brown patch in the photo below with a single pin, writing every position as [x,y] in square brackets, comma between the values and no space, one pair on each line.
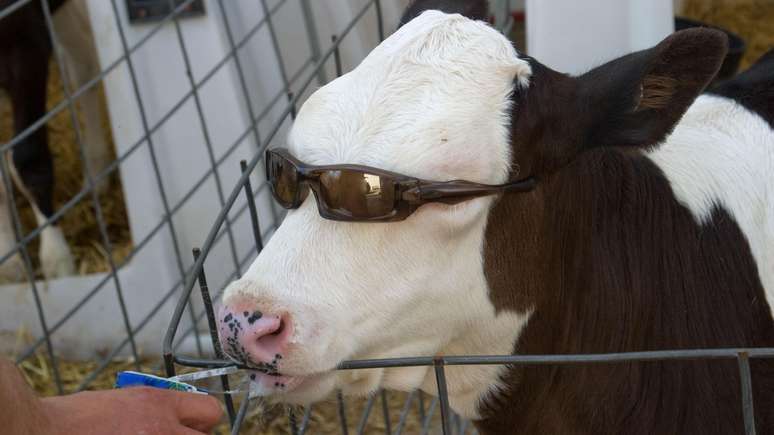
[607,260]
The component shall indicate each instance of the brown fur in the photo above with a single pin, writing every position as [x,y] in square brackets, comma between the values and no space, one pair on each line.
[608,260]
[657,92]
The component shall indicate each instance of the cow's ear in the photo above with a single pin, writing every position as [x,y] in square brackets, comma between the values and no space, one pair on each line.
[636,100]
[473,9]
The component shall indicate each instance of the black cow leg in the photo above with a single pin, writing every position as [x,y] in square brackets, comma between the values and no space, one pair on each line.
[31,164]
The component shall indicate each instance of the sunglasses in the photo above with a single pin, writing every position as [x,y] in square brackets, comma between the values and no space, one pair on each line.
[356,193]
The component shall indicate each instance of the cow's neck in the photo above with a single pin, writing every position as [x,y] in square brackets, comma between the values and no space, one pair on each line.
[607,260]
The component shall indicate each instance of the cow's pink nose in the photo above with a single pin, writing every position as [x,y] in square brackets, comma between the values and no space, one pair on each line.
[253,337]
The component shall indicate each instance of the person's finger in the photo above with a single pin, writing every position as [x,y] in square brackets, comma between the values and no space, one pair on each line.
[197,411]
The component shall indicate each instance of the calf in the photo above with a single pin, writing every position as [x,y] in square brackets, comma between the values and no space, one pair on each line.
[638,235]
[25,51]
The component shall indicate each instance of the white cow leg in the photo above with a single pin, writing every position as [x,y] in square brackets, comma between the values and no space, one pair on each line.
[56,260]
[12,269]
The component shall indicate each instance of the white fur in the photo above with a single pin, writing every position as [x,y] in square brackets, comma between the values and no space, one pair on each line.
[432,101]
[721,154]
[56,260]
[12,269]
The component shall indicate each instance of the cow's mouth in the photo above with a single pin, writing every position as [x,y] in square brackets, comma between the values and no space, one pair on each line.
[274,383]
[280,386]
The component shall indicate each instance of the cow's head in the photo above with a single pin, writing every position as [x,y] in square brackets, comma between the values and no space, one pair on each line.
[443,98]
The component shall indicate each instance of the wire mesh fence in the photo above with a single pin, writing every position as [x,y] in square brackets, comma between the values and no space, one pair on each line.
[295,84]
[190,271]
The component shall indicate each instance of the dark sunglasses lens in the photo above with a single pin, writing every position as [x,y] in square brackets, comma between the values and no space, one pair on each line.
[283,178]
[357,195]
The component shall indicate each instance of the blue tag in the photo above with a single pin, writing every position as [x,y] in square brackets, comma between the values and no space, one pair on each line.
[137,379]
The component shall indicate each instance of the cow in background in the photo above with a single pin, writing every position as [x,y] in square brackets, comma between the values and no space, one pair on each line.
[25,52]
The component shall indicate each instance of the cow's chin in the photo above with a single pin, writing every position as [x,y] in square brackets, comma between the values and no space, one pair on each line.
[305,390]
[297,390]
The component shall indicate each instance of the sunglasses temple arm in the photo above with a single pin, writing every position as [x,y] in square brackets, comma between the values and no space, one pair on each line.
[454,192]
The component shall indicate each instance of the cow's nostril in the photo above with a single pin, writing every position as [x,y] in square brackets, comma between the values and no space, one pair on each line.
[281,327]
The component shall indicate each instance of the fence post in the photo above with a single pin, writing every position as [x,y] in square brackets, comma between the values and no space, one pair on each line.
[747,394]
[443,395]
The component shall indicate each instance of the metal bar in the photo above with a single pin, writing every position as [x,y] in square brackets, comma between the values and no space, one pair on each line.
[725,353]
[13,8]
[313,37]
[207,140]
[379,19]
[293,111]
[429,419]
[292,421]
[404,413]
[305,420]
[748,411]
[386,412]
[209,241]
[241,415]
[464,426]
[342,412]
[443,395]
[151,147]
[30,271]
[336,55]
[87,171]
[251,206]
[457,423]
[276,48]
[243,85]
[366,413]
[207,302]
[421,405]
[687,354]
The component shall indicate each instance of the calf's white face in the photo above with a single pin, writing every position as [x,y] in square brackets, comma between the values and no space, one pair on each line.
[432,101]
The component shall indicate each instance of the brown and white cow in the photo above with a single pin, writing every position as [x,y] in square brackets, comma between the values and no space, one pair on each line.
[642,233]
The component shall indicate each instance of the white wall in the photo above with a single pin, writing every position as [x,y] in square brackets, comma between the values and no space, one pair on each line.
[574,36]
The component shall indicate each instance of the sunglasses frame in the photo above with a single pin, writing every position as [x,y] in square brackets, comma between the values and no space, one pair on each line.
[411,192]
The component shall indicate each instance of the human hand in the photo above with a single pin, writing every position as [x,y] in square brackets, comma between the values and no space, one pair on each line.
[137,410]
